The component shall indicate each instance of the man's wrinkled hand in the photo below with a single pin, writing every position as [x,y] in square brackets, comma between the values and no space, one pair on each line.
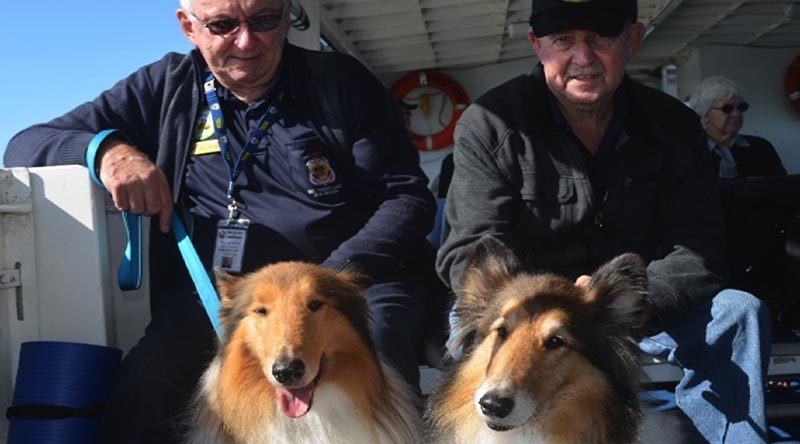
[135,183]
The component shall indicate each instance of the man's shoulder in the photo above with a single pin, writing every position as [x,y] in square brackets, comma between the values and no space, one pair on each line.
[171,60]
[511,104]
[648,101]
[171,66]
[511,94]
[325,63]
[755,140]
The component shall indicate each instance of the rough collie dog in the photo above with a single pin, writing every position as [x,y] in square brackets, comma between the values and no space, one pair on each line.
[544,361]
[296,365]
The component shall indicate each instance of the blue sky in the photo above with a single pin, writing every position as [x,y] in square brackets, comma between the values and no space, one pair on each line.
[57,55]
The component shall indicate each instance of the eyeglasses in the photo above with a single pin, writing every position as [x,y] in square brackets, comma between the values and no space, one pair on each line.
[224,27]
[729,107]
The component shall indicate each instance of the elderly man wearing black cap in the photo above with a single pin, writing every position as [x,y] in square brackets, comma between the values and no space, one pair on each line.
[575,163]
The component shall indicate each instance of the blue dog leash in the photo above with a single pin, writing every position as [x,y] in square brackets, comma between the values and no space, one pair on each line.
[208,296]
[129,273]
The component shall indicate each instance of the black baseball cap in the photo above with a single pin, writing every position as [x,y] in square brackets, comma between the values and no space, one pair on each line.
[606,17]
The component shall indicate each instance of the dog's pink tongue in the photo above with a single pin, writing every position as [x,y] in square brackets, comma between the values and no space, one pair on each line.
[296,402]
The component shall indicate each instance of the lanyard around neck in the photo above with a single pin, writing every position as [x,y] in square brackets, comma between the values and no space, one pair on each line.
[236,163]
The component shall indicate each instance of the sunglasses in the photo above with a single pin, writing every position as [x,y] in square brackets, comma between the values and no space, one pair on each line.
[259,23]
[729,107]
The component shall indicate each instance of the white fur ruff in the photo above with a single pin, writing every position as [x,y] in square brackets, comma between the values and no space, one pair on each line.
[655,428]
[333,419]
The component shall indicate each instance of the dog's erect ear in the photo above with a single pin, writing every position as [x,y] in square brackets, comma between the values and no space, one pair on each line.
[489,268]
[359,280]
[226,285]
[619,291]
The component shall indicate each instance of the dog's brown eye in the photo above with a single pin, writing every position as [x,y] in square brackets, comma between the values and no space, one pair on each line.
[502,332]
[314,305]
[261,311]
[553,343]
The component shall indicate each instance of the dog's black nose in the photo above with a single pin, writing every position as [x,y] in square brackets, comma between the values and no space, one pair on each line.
[288,371]
[496,406]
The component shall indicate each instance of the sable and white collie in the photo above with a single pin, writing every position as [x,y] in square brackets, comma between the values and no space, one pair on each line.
[296,365]
[545,361]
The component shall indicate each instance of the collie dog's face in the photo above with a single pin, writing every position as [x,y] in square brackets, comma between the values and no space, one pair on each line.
[532,352]
[537,344]
[293,324]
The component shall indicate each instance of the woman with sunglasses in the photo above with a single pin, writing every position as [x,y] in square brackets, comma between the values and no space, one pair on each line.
[720,104]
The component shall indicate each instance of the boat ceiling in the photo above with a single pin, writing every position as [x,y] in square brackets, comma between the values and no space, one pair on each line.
[392,36]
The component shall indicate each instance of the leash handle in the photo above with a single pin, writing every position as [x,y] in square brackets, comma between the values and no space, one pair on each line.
[129,274]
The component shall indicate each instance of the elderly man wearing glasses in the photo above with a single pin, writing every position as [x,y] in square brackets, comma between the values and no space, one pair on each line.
[720,104]
[304,151]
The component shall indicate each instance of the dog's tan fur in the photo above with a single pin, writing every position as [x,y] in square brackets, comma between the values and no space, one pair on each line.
[268,315]
[528,338]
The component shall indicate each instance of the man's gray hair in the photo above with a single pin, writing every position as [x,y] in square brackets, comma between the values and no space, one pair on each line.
[710,90]
[186,4]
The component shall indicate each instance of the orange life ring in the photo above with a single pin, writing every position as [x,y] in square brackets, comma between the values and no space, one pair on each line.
[455,94]
[792,84]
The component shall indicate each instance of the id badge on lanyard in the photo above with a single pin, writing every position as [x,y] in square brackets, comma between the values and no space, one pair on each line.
[229,247]
[230,244]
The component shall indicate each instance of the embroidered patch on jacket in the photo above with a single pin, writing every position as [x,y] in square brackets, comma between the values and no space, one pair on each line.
[320,171]
[321,176]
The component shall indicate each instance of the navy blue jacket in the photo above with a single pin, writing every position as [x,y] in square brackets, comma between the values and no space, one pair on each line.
[387,207]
